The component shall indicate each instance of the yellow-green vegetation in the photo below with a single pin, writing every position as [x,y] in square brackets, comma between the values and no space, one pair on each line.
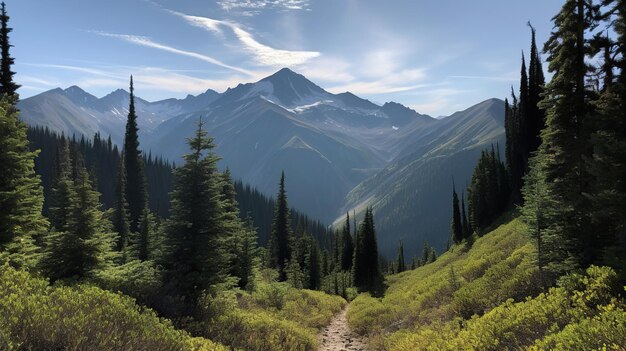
[482,299]
[274,317]
[36,316]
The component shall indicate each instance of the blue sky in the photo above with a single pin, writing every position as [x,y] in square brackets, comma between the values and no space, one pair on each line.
[434,56]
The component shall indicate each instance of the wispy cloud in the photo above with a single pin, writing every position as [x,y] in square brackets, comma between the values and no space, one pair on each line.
[146,78]
[262,54]
[499,78]
[147,42]
[257,5]
[404,80]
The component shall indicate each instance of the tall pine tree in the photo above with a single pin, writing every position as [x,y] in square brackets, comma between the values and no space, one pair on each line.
[7,85]
[136,194]
[366,272]
[21,194]
[456,226]
[281,238]
[347,246]
[194,258]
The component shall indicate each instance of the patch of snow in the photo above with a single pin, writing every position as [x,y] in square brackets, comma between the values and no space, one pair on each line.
[302,108]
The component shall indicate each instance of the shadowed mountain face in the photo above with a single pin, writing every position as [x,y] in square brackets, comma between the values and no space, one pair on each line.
[339,151]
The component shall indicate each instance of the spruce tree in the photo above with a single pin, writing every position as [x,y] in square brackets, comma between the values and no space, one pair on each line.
[467,230]
[63,193]
[136,194]
[312,263]
[608,163]
[456,226]
[120,209]
[86,247]
[347,247]
[21,194]
[565,140]
[535,116]
[280,241]
[367,275]
[7,85]
[401,264]
[193,258]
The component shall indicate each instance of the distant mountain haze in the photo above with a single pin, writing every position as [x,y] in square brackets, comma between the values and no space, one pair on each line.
[338,151]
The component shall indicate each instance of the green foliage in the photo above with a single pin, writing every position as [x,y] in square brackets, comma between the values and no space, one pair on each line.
[419,297]
[21,197]
[274,317]
[34,316]
[194,255]
[367,275]
[487,194]
[481,299]
[87,244]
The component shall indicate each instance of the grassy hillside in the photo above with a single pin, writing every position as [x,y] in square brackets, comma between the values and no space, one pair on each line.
[487,298]
[37,316]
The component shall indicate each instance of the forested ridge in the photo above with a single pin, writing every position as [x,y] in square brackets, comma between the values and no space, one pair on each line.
[538,238]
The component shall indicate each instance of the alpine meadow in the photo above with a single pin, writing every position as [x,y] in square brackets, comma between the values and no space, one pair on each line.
[303,175]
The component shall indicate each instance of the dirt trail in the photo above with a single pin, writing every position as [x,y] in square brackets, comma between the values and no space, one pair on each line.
[338,337]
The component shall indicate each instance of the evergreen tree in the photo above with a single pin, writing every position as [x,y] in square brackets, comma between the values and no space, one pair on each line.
[565,140]
[608,163]
[193,258]
[312,264]
[280,243]
[86,246]
[21,195]
[426,251]
[63,193]
[7,85]
[535,116]
[136,195]
[120,209]
[144,236]
[456,226]
[401,264]
[367,275]
[347,246]
[467,230]
[248,257]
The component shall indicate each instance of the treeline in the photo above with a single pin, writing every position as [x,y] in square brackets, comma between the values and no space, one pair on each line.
[566,147]
[260,208]
[101,158]
[351,265]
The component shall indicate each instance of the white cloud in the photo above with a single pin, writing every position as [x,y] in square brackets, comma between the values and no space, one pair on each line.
[327,69]
[152,79]
[247,5]
[144,41]
[263,54]
[404,80]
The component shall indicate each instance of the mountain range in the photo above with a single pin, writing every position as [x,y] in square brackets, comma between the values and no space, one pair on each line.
[339,152]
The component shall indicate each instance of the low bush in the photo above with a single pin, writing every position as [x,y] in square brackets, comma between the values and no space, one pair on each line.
[36,316]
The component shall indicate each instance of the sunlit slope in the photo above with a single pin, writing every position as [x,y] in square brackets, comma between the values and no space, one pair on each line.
[487,298]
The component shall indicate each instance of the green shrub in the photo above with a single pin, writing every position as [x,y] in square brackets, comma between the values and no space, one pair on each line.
[485,302]
[35,316]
